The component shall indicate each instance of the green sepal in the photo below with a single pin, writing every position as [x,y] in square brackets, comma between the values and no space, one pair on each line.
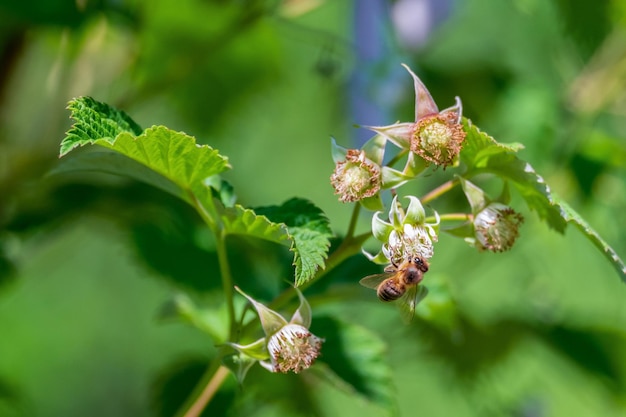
[255,350]
[380,228]
[303,315]
[373,203]
[392,178]
[337,152]
[415,213]
[374,149]
[239,364]
[271,321]
[476,197]
[378,259]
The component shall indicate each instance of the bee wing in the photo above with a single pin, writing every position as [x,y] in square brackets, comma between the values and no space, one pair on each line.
[373,281]
[410,300]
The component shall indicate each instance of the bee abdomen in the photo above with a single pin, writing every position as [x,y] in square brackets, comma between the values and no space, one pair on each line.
[388,291]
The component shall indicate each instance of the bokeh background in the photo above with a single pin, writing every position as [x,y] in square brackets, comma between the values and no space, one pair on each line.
[87,261]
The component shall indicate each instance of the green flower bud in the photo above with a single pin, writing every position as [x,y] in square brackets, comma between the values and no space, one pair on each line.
[497,227]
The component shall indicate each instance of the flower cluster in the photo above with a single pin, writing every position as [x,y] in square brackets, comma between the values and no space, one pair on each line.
[434,137]
[287,345]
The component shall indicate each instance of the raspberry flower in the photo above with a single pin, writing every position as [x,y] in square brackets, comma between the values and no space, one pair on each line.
[358,172]
[356,177]
[406,235]
[436,136]
[287,345]
[495,225]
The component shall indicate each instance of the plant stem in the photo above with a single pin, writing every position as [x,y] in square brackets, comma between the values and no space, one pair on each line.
[353,221]
[211,388]
[452,217]
[227,281]
[439,191]
[205,389]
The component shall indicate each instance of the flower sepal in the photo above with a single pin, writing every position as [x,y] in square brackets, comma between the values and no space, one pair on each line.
[287,345]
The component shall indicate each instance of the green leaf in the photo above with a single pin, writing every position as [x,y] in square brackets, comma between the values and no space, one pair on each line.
[355,359]
[238,220]
[175,155]
[95,120]
[310,231]
[479,147]
[481,153]
[572,216]
[115,163]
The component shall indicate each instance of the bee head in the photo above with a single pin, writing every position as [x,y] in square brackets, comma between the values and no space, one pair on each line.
[420,263]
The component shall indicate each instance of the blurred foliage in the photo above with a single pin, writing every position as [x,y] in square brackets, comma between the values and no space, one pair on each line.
[86,260]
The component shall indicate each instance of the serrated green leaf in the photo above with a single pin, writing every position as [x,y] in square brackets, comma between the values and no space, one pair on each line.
[310,230]
[115,163]
[238,220]
[571,216]
[355,359]
[481,153]
[95,120]
[479,147]
[172,154]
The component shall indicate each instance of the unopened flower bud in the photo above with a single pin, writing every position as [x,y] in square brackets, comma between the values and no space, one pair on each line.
[356,177]
[497,227]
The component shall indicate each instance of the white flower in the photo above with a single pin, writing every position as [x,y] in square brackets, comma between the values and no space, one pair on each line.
[287,345]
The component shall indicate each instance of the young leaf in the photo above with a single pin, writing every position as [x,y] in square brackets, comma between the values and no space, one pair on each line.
[481,153]
[571,216]
[241,221]
[355,361]
[310,230]
[95,120]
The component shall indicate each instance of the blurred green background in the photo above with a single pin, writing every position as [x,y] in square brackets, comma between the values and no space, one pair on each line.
[87,261]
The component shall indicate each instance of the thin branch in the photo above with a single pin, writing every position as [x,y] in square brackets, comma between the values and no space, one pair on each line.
[439,191]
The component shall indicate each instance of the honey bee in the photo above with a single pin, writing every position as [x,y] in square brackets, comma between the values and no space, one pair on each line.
[401,282]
